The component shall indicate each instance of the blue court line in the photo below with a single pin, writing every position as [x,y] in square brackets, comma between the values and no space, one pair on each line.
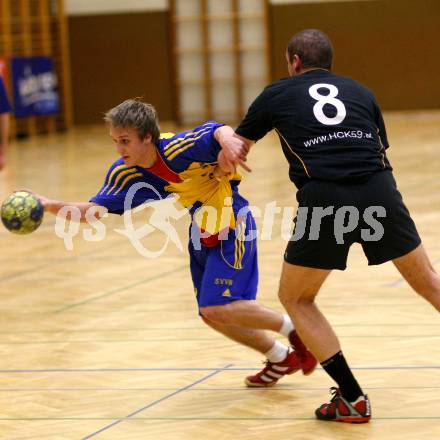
[119,289]
[156,402]
[363,305]
[56,263]
[194,419]
[212,339]
[199,328]
[24,272]
[144,370]
[146,309]
[243,389]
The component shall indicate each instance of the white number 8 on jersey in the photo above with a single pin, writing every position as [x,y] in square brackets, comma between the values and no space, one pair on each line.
[330,99]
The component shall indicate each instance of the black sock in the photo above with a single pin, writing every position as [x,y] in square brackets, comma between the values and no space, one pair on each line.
[338,369]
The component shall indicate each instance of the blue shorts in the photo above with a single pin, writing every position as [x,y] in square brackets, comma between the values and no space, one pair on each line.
[229,271]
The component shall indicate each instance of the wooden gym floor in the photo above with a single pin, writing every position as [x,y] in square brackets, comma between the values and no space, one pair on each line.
[99,342]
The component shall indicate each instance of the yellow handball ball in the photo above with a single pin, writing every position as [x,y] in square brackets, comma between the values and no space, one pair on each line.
[22,212]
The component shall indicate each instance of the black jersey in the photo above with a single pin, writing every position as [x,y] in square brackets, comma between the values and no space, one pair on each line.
[330,127]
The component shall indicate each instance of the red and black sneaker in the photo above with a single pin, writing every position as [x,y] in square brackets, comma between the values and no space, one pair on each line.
[341,410]
[307,360]
[273,371]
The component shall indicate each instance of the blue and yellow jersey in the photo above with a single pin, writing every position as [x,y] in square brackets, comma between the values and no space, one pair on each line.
[120,179]
[185,166]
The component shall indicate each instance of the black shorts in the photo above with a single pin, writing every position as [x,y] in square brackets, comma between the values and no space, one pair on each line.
[371,213]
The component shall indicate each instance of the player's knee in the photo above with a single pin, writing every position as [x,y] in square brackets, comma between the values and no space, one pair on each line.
[286,294]
[283,297]
[293,300]
[287,297]
[216,314]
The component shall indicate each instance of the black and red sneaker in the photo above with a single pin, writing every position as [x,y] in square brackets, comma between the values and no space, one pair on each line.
[307,360]
[273,371]
[341,410]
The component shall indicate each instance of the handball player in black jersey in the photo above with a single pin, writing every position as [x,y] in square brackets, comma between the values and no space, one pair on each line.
[333,135]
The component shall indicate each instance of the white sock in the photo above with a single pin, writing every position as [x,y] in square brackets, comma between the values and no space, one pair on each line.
[287,326]
[277,353]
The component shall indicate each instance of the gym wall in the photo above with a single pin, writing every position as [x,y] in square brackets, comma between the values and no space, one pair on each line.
[123,49]
[390,45]
[119,50]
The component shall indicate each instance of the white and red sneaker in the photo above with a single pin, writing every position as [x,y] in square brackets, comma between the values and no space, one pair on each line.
[308,362]
[273,371]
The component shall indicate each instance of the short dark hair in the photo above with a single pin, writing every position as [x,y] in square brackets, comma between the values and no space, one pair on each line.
[313,47]
[134,113]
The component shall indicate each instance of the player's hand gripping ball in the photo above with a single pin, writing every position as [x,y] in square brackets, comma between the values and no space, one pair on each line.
[22,212]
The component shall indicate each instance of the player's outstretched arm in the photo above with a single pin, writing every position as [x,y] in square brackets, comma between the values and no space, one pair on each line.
[235,147]
[88,211]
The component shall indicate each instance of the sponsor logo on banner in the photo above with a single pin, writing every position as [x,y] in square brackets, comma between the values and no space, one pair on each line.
[35,86]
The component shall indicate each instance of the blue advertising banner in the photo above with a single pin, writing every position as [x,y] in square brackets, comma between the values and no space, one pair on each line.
[35,86]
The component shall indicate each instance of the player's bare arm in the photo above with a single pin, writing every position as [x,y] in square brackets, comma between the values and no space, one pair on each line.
[54,207]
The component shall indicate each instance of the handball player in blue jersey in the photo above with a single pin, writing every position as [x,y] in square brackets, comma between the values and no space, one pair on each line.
[223,254]
[5,109]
